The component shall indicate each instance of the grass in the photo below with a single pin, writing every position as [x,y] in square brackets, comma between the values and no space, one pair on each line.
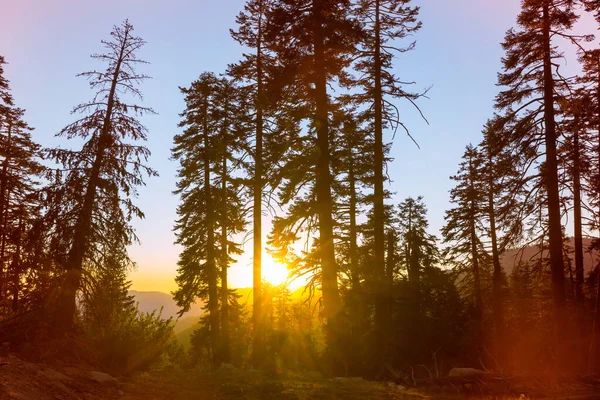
[250,385]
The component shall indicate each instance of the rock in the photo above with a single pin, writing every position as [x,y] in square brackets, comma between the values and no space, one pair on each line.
[103,378]
[121,393]
[53,375]
[460,372]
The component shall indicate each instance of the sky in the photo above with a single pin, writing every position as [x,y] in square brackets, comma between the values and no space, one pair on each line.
[47,42]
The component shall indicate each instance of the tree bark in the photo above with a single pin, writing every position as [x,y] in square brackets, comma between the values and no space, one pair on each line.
[578,229]
[498,301]
[257,306]
[213,302]
[331,301]
[17,263]
[551,180]
[478,311]
[4,199]
[226,351]
[381,315]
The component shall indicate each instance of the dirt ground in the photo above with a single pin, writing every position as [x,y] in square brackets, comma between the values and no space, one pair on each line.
[21,380]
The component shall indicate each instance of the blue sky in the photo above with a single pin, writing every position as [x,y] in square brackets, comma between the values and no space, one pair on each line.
[47,42]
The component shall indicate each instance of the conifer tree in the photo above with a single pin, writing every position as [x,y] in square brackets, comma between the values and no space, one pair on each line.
[254,71]
[532,83]
[100,180]
[19,171]
[418,247]
[211,211]
[323,37]
[197,274]
[384,23]
[461,231]
[502,185]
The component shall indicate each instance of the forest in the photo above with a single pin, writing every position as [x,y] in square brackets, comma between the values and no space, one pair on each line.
[299,129]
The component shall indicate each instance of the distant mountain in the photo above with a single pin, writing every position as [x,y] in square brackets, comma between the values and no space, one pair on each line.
[512,257]
[154,301]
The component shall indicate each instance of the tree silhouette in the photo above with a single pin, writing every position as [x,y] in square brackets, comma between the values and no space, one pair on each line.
[462,233]
[532,79]
[100,179]
[322,35]
[384,23]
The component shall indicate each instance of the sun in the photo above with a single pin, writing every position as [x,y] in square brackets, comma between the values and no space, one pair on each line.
[273,272]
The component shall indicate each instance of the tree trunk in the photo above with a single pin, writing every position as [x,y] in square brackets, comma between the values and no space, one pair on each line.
[389,273]
[226,351]
[4,199]
[478,311]
[594,353]
[17,263]
[551,180]
[331,301]
[224,289]
[354,276]
[213,293]
[498,301]
[578,232]
[381,316]
[66,306]
[257,306]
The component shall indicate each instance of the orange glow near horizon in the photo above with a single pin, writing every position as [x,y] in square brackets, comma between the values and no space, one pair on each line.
[160,276]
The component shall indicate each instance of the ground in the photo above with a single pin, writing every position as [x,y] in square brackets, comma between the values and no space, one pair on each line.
[22,380]
[248,385]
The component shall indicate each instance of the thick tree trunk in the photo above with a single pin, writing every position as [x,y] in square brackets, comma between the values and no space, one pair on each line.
[226,350]
[331,300]
[257,345]
[381,315]
[551,181]
[66,307]
[213,291]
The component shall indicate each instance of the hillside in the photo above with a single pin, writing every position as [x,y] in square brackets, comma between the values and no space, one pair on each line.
[154,301]
[512,257]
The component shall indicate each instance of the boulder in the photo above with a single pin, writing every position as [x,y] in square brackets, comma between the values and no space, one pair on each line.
[53,375]
[103,378]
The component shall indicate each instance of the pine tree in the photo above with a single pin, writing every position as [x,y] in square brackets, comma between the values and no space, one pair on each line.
[19,172]
[532,84]
[100,179]
[323,37]
[196,227]
[463,235]
[418,247]
[251,33]
[211,211]
[502,184]
[384,22]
